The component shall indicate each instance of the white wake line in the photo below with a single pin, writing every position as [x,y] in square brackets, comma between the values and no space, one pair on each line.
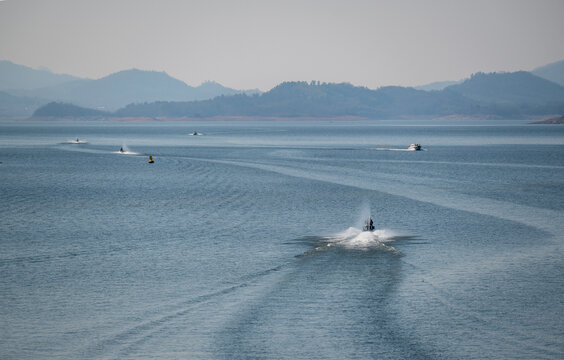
[453,163]
[536,217]
[543,219]
[391,149]
[126,153]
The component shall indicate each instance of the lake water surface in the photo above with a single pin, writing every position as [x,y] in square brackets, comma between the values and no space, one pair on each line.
[246,242]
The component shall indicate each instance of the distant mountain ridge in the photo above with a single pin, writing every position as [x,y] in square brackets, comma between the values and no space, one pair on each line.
[119,89]
[129,86]
[437,85]
[497,95]
[108,93]
[156,94]
[510,88]
[19,77]
[553,72]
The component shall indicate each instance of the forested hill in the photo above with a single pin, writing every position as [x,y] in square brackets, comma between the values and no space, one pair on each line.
[62,110]
[129,86]
[301,99]
[505,95]
[25,89]
[510,88]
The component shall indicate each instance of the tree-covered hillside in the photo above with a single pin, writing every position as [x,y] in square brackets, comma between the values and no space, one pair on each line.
[61,110]
[510,88]
[505,95]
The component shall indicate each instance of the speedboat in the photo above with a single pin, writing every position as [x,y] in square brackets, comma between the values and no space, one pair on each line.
[195,133]
[368,225]
[414,147]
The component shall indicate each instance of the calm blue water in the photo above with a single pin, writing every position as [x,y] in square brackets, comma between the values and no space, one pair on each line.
[245,242]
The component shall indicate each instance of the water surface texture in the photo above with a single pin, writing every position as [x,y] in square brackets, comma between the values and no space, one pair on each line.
[246,242]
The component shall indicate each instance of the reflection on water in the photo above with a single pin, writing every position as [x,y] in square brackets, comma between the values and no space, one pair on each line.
[247,242]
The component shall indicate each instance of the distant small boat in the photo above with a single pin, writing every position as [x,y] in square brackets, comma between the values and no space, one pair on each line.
[151,159]
[195,133]
[368,225]
[121,150]
[414,147]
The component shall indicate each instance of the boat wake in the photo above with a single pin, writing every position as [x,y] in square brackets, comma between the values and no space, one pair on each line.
[363,237]
[77,141]
[389,149]
[354,238]
[394,149]
[126,153]
[357,239]
[124,150]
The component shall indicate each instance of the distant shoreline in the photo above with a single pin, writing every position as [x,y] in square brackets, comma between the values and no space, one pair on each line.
[556,120]
[276,119]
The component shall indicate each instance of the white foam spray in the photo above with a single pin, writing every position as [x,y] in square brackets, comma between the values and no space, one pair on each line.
[356,238]
[126,151]
[77,141]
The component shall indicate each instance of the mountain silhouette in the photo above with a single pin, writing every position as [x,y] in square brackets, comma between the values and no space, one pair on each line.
[553,72]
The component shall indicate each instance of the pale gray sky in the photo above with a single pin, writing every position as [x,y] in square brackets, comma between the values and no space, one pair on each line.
[258,44]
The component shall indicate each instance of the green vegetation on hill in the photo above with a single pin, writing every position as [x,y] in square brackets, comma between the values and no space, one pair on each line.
[110,93]
[61,110]
[506,95]
[496,95]
[130,86]
[510,88]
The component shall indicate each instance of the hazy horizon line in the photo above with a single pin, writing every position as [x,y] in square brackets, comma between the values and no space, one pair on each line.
[47,69]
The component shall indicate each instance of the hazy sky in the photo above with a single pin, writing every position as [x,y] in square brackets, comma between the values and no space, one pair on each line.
[258,44]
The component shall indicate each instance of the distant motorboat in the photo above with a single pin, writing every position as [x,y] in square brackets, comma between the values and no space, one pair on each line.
[368,225]
[195,133]
[151,159]
[125,151]
[414,147]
